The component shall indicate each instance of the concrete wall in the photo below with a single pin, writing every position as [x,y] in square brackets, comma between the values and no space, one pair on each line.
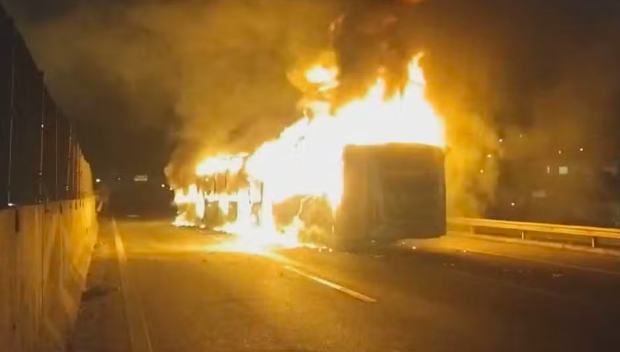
[45,252]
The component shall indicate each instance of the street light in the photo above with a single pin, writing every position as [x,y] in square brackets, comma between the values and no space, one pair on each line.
[98,180]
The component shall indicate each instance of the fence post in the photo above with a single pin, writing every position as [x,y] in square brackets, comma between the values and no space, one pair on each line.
[523,234]
[68,171]
[41,141]
[593,241]
[11,118]
[56,188]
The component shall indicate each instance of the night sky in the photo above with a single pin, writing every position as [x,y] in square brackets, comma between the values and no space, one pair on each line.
[151,80]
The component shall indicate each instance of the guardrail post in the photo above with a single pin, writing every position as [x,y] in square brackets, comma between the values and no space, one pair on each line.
[523,234]
[593,242]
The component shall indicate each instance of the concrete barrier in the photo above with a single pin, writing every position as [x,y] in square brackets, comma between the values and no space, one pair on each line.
[45,252]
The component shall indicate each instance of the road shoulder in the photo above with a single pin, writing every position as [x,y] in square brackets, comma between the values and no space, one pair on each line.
[101,325]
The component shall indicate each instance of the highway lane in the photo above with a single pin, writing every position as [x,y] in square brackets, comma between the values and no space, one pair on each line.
[181,290]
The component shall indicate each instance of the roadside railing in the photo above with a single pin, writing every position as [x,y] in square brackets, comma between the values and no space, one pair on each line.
[594,237]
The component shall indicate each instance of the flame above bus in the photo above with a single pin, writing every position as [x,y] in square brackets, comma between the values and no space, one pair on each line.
[306,159]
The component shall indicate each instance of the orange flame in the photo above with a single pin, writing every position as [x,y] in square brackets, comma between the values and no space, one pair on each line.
[306,159]
[221,164]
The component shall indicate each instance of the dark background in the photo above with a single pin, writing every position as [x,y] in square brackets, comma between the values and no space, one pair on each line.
[151,83]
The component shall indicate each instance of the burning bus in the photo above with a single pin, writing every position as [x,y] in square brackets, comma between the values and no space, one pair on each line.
[390,192]
[371,170]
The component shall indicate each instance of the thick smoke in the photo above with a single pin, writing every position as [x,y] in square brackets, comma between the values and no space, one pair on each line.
[387,35]
[539,71]
[214,72]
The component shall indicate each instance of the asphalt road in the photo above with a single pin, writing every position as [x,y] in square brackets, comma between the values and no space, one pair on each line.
[155,288]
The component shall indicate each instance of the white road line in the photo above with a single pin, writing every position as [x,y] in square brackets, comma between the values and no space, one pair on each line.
[333,285]
[138,331]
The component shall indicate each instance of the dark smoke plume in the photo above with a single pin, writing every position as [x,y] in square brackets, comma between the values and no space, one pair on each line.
[497,68]
[214,72]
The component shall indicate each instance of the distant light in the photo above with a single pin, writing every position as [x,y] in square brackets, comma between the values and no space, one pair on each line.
[581,149]
[163,185]
[560,151]
[489,155]
[118,178]
[520,136]
[481,171]
[141,178]
[501,140]
[512,204]
[98,180]
[42,126]
[548,169]
[11,204]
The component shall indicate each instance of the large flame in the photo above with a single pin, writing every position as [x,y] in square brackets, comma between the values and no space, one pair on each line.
[221,164]
[306,159]
[191,205]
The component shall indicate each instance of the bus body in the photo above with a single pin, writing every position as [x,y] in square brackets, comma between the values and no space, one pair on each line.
[222,198]
[391,192]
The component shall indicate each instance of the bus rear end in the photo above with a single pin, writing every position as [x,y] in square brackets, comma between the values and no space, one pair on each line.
[391,192]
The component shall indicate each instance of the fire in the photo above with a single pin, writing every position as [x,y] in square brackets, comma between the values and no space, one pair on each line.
[322,75]
[222,164]
[191,203]
[306,159]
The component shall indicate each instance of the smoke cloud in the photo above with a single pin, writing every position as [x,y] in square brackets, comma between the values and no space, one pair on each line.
[539,72]
[214,72]
[460,77]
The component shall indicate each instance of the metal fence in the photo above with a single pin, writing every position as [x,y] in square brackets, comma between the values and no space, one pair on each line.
[40,158]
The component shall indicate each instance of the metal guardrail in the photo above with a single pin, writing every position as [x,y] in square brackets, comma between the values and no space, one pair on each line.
[523,230]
